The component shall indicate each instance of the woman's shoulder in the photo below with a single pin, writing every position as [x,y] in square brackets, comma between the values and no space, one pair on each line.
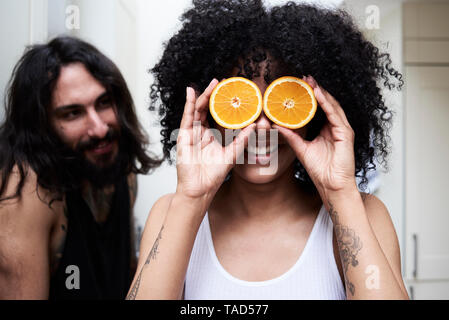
[379,218]
[159,209]
[31,197]
[154,223]
[163,202]
[373,205]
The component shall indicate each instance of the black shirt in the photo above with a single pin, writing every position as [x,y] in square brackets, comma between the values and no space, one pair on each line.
[97,256]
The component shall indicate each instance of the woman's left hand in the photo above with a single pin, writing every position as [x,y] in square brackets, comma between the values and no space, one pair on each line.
[329,158]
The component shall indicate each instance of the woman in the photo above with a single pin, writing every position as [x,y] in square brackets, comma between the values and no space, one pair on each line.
[304,231]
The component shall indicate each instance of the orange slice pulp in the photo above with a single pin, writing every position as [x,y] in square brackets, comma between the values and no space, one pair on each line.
[289,102]
[235,103]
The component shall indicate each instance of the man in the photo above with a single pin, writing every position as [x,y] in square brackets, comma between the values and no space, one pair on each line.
[70,149]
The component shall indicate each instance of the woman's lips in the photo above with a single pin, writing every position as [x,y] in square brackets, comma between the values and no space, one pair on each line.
[261,155]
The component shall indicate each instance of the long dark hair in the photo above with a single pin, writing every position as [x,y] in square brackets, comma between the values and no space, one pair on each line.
[27,140]
[308,40]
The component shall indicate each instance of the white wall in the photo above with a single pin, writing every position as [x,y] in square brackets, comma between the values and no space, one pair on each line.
[57,18]
[97,24]
[22,22]
[156,24]
[388,37]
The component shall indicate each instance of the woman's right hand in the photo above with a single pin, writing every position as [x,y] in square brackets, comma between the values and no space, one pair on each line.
[203,162]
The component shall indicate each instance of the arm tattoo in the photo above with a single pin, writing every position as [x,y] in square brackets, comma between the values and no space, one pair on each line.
[349,245]
[151,256]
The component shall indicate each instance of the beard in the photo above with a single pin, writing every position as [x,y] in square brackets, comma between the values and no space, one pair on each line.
[105,175]
[106,171]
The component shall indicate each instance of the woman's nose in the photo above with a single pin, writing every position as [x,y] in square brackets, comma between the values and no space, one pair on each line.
[263,122]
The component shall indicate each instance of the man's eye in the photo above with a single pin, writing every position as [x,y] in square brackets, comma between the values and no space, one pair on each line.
[106,103]
[71,115]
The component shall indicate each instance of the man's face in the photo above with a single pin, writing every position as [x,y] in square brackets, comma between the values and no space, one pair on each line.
[84,117]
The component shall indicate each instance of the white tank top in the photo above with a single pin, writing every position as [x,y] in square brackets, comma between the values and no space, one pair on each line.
[314,276]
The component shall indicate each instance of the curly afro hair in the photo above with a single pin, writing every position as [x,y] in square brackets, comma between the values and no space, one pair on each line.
[219,36]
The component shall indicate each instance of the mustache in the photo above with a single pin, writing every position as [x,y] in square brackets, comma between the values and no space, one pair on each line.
[110,136]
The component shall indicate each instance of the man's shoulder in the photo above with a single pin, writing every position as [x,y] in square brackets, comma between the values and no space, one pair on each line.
[33,202]
[26,231]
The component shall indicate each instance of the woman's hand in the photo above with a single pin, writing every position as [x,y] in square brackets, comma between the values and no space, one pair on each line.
[202,161]
[329,158]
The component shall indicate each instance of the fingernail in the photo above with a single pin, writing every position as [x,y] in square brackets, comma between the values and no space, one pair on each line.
[191,93]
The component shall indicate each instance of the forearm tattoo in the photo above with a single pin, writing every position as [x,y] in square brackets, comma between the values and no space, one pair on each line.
[349,245]
[151,256]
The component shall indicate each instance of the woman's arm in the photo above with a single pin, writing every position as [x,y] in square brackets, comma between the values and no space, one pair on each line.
[165,249]
[368,245]
[202,166]
[330,162]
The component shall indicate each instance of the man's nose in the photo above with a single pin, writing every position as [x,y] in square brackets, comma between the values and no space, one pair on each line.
[97,127]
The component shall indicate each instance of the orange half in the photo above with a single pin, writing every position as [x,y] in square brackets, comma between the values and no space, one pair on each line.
[235,103]
[289,102]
